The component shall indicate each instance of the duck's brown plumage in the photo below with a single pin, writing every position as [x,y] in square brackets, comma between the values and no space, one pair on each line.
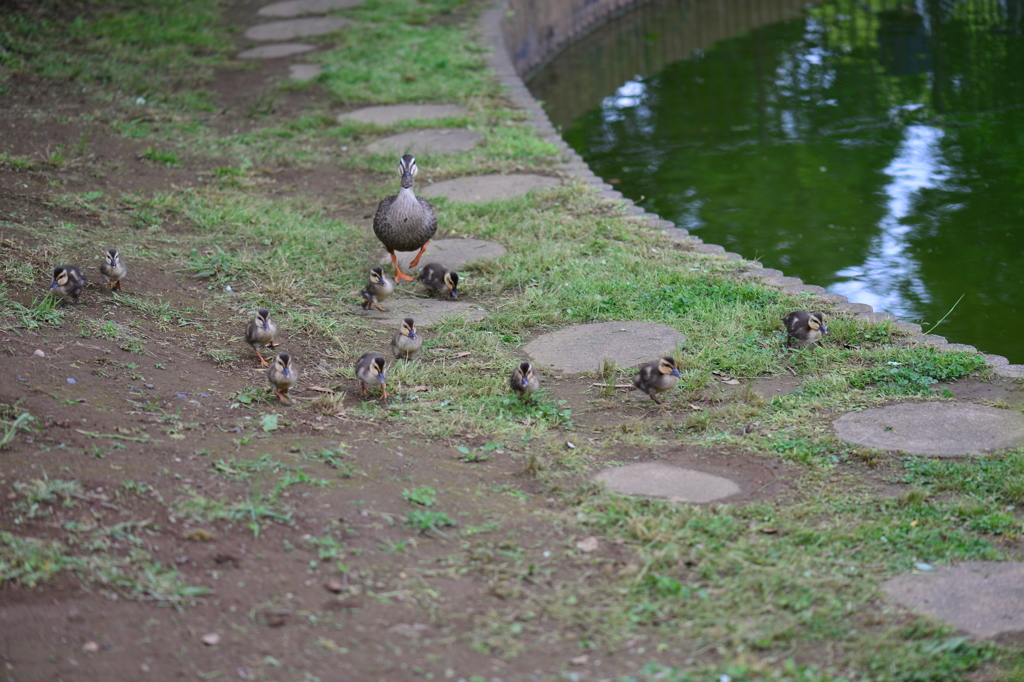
[804,329]
[68,282]
[657,377]
[282,376]
[372,369]
[407,344]
[440,279]
[405,222]
[524,380]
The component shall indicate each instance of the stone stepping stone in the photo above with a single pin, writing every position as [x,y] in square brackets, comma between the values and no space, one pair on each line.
[489,187]
[983,598]
[275,51]
[393,113]
[295,28]
[934,429]
[303,73]
[428,141]
[1009,371]
[582,348]
[454,254]
[298,8]
[427,312]
[655,479]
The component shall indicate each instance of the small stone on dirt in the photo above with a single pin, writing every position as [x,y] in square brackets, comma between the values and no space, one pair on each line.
[39,353]
[90,647]
[413,631]
[580,660]
[150,386]
[587,544]
[211,639]
[348,601]
[335,586]
[276,619]
[71,381]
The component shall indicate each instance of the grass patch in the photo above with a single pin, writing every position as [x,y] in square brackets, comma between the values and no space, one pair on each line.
[161,50]
[423,63]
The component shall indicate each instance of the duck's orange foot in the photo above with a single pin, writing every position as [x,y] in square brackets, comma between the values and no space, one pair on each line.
[399,275]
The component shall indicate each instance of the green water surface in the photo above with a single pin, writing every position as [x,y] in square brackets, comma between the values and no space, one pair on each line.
[875,149]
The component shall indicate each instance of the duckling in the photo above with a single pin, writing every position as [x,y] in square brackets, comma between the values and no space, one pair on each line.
[68,281]
[370,369]
[378,288]
[525,381]
[657,377]
[261,332]
[804,329]
[407,344]
[438,278]
[405,222]
[282,375]
[113,269]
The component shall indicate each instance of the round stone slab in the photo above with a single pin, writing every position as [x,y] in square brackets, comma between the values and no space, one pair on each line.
[454,254]
[275,51]
[429,141]
[298,8]
[582,348]
[489,187]
[983,598]
[304,72]
[295,28]
[427,312]
[655,479]
[386,115]
[936,429]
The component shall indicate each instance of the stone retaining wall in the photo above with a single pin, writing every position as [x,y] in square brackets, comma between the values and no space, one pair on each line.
[534,30]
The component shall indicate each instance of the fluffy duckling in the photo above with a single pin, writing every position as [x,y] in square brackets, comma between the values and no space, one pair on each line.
[113,269]
[438,278]
[378,288]
[804,329]
[407,344]
[370,369]
[524,381]
[657,377]
[68,282]
[282,376]
[260,333]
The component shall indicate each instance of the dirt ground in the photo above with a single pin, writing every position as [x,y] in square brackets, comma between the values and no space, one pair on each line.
[135,394]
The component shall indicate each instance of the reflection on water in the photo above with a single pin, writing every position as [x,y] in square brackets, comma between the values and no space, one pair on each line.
[872,147]
[888,279]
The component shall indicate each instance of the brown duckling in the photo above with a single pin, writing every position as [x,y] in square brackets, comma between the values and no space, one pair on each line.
[407,344]
[282,376]
[405,222]
[804,329]
[378,288]
[113,269]
[68,282]
[524,381]
[370,369]
[261,332]
[657,377]
[440,279]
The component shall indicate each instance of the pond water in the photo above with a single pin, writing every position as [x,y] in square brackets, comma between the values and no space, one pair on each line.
[875,149]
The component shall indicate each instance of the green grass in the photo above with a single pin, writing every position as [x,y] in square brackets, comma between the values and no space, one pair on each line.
[161,50]
[421,62]
[738,590]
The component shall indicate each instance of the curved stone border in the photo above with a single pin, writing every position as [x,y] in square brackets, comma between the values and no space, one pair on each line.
[498,59]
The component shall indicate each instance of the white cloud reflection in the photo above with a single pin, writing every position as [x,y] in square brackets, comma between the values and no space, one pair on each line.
[888,279]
